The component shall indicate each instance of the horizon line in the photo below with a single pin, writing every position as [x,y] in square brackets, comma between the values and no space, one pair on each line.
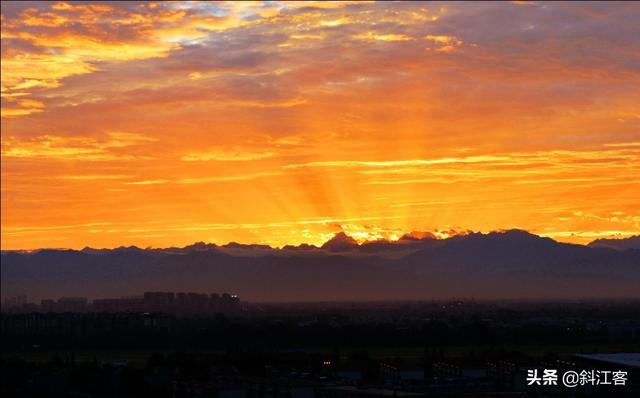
[406,237]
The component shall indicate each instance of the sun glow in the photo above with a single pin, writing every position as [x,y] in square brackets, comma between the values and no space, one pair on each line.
[162,124]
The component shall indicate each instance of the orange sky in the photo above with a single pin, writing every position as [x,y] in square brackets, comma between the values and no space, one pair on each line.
[165,124]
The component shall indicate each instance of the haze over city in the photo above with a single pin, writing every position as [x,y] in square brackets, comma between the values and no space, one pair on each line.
[164,124]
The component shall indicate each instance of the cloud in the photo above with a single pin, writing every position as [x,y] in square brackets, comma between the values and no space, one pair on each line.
[85,37]
[227,178]
[224,155]
[147,182]
[395,163]
[445,43]
[382,37]
[73,148]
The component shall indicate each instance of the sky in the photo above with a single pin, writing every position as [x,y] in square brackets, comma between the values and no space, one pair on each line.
[163,124]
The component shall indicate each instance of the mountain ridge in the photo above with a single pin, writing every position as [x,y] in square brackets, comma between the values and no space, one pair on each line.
[348,242]
[503,264]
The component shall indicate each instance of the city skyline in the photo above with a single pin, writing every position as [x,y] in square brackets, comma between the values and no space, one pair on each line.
[164,124]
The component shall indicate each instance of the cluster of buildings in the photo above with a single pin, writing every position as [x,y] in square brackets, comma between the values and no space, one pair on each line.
[52,325]
[181,303]
[170,302]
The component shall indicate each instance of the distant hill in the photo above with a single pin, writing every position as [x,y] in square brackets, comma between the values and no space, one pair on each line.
[632,242]
[509,264]
[340,242]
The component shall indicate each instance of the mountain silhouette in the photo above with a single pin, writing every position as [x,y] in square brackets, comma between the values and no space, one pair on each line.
[340,242]
[632,242]
[507,264]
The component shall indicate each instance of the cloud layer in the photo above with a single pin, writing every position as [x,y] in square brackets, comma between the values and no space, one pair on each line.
[277,122]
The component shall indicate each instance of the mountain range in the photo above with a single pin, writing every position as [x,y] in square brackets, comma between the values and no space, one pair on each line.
[510,264]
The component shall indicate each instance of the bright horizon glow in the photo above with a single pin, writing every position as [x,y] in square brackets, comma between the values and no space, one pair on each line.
[163,124]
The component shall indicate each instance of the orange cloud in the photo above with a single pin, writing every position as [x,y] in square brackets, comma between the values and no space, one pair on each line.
[446,43]
[57,147]
[383,37]
[226,155]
